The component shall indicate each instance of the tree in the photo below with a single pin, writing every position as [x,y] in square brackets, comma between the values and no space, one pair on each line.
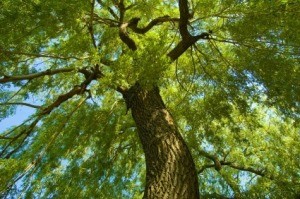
[152,99]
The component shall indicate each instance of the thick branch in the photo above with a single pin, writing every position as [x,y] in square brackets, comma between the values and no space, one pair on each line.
[122,10]
[90,26]
[187,39]
[184,44]
[184,18]
[125,37]
[7,78]
[77,90]
[134,22]
[123,27]
[90,75]
[62,98]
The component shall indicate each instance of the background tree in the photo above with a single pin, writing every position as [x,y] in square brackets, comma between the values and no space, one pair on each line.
[100,75]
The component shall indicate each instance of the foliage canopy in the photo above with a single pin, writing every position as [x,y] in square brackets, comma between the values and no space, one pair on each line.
[234,94]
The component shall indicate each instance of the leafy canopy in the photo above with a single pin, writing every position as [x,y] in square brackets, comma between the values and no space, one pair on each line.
[235,95]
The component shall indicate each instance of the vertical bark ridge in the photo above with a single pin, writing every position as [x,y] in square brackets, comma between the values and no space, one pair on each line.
[170,170]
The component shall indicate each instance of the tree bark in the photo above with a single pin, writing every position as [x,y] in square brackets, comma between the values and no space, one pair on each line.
[170,169]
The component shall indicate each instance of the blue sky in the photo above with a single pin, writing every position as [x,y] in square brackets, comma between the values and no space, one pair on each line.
[22,113]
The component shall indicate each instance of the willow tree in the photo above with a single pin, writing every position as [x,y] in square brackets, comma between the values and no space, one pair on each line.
[152,99]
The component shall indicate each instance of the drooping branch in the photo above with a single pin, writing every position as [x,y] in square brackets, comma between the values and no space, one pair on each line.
[96,73]
[7,78]
[37,160]
[25,133]
[90,75]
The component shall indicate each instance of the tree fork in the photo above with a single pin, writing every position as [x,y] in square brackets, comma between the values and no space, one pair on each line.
[170,169]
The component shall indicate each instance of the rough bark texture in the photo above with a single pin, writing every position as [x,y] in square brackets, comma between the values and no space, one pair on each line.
[170,170]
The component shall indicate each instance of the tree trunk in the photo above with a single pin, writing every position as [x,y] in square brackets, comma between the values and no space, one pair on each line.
[170,169]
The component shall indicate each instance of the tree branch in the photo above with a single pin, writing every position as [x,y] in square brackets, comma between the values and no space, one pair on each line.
[249,169]
[125,37]
[40,55]
[134,22]
[7,78]
[187,39]
[122,10]
[184,44]
[76,90]
[5,138]
[218,165]
[216,161]
[205,167]
[90,75]
[123,27]
[20,103]
[90,25]
[184,19]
